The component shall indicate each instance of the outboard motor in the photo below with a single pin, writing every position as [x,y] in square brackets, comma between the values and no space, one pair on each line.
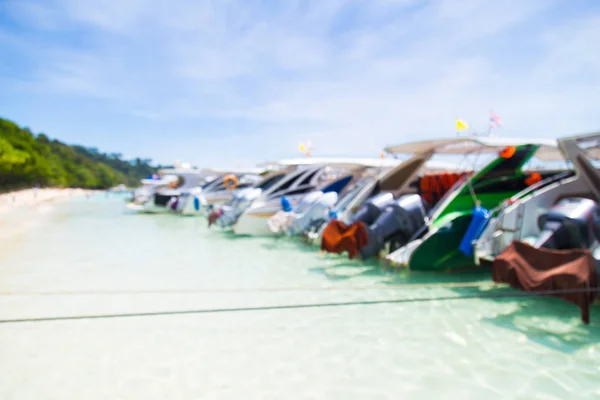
[397,222]
[241,200]
[316,214]
[372,208]
[571,224]
[381,219]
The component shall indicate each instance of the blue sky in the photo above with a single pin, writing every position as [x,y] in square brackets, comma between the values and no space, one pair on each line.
[234,82]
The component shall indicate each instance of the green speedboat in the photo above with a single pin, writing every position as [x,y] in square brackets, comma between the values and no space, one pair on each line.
[444,244]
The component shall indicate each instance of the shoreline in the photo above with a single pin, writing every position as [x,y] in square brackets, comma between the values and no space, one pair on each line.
[33,197]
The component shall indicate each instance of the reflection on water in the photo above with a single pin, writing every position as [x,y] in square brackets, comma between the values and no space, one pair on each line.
[91,257]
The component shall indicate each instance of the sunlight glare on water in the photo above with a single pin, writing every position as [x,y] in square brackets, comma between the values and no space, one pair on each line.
[88,256]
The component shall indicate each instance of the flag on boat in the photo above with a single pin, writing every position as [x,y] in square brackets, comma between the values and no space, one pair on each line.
[461,125]
[305,147]
[495,121]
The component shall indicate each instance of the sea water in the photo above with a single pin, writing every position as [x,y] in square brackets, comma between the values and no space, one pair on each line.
[88,256]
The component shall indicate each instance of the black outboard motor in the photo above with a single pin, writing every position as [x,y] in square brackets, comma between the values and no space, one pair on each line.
[571,224]
[397,223]
[372,208]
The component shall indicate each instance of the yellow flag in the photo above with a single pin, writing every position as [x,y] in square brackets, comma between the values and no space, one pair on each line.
[302,147]
[461,125]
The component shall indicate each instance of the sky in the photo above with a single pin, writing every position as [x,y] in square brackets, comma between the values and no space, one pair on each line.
[222,83]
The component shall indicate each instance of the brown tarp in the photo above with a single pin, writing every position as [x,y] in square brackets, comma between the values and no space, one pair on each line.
[338,237]
[533,270]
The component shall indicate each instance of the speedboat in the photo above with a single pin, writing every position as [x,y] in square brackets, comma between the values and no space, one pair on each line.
[560,212]
[444,239]
[249,212]
[218,189]
[546,239]
[228,214]
[143,196]
[315,208]
[369,186]
[381,216]
[161,193]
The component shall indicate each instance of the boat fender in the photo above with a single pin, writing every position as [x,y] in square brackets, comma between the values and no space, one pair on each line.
[196,203]
[480,218]
[285,204]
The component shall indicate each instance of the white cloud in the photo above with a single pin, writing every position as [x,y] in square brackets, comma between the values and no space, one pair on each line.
[352,75]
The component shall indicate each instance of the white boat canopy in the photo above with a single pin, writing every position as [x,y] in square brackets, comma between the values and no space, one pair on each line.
[179,171]
[355,163]
[221,171]
[340,162]
[439,166]
[548,150]
[164,180]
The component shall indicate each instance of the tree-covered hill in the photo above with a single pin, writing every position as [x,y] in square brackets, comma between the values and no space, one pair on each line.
[27,159]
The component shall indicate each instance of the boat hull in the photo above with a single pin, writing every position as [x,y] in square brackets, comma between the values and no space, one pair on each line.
[147,207]
[254,224]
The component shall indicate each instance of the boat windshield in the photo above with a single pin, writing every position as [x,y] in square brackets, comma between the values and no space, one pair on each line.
[269,182]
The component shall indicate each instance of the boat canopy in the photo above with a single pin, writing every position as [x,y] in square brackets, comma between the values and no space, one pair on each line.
[431,166]
[163,180]
[589,143]
[548,150]
[178,171]
[340,162]
[237,171]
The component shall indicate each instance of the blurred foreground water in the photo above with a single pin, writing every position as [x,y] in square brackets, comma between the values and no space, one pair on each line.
[88,256]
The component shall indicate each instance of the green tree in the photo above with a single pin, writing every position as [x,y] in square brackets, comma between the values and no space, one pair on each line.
[27,159]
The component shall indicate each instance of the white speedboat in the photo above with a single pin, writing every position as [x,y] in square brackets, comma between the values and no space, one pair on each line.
[253,219]
[315,208]
[161,193]
[143,196]
[249,211]
[228,214]
[558,212]
[220,188]
[546,239]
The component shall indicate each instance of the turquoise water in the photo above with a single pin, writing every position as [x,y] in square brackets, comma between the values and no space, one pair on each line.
[88,256]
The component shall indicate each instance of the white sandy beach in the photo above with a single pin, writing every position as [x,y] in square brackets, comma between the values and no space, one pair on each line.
[35,197]
[23,210]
